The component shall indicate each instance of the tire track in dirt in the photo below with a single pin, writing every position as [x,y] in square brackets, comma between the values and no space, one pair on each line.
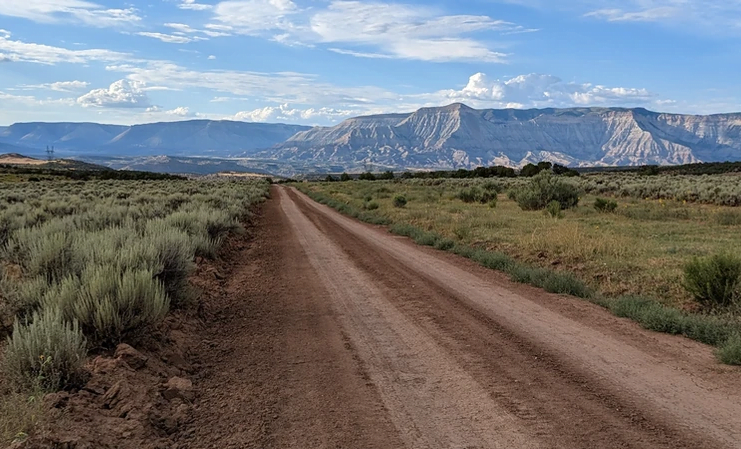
[278,370]
[433,402]
[550,380]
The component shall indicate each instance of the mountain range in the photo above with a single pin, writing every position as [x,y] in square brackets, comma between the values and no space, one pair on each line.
[454,136]
[458,136]
[187,138]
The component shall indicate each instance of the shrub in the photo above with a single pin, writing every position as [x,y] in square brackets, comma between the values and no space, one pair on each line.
[42,251]
[371,205]
[476,195]
[367,176]
[46,353]
[544,188]
[174,263]
[730,351]
[530,170]
[605,206]
[714,282]
[345,177]
[400,201]
[493,202]
[111,306]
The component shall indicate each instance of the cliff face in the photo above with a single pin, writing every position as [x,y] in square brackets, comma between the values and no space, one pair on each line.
[457,136]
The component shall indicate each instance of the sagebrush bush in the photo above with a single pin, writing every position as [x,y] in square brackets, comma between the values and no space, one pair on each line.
[604,205]
[42,251]
[174,263]
[112,306]
[715,281]
[476,195]
[47,353]
[730,351]
[543,189]
[400,201]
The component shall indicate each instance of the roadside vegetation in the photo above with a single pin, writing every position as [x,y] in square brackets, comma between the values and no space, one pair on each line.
[659,249]
[86,265]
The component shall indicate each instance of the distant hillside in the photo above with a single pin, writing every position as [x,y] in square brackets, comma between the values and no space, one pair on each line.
[20,161]
[207,165]
[458,136]
[193,138]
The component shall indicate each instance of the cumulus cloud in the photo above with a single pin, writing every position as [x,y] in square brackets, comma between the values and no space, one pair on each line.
[295,115]
[120,94]
[211,57]
[49,11]
[537,90]
[182,111]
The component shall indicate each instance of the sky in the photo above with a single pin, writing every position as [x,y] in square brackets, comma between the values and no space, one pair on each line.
[318,62]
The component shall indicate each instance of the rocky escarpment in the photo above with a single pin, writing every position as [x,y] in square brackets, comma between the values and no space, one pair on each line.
[457,136]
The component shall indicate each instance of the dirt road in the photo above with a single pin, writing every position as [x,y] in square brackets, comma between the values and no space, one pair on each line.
[336,334]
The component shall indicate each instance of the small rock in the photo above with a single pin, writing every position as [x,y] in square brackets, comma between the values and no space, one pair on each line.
[131,356]
[57,400]
[118,392]
[105,365]
[177,387]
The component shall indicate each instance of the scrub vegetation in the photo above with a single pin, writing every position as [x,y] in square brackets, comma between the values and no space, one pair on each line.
[91,264]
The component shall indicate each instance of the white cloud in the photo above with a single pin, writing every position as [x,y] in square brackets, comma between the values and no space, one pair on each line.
[211,57]
[171,38]
[59,86]
[705,16]
[407,32]
[192,5]
[285,113]
[183,28]
[49,11]
[182,111]
[536,90]
[368,29]
[277,87]
[121,94]
[252,16]
[18,51]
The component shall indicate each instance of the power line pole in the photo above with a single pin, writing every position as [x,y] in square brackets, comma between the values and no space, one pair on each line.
[49,153]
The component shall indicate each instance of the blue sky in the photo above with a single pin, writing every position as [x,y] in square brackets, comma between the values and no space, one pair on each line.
[319,62]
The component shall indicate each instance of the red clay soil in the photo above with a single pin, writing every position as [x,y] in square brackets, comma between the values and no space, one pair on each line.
[323,332]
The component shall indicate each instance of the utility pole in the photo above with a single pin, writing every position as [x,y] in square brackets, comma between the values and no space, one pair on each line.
[49,153]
